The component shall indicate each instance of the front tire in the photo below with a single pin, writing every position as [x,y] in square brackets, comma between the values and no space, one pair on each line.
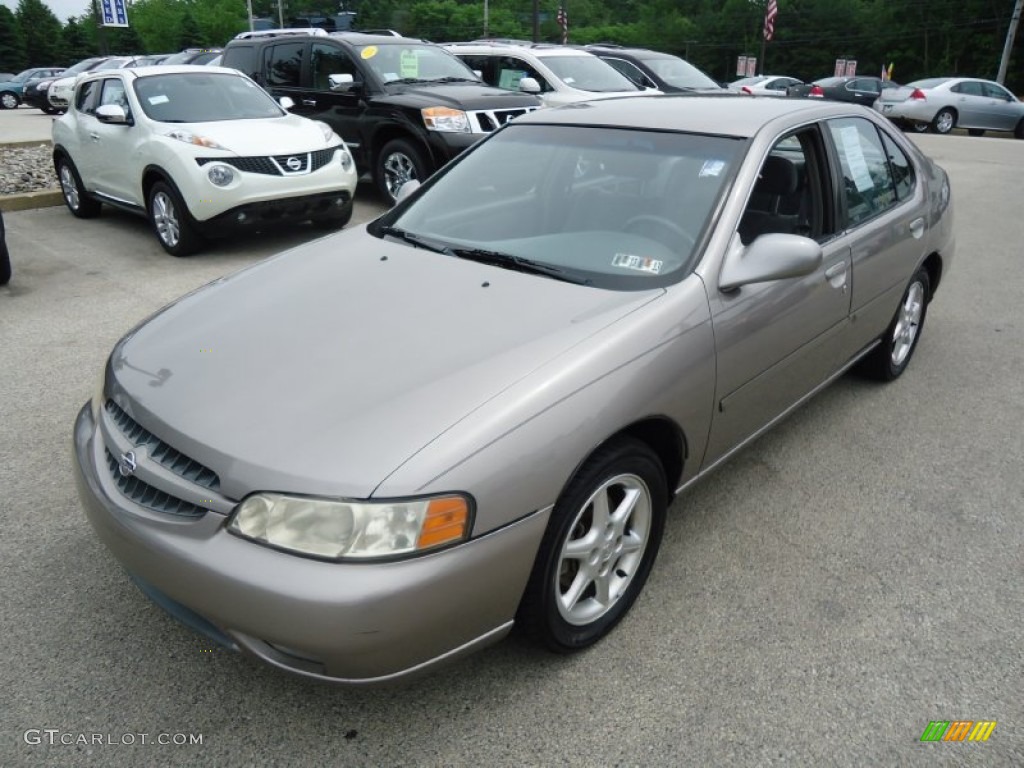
[398,162]
[889,359]
[76,198]
[945,121]
[9,100]
[919,126]
[171,221]
[598,549]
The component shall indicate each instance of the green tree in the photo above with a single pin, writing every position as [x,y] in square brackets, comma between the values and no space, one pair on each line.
[12,43]
[77,45]
[189,35]
[41,31]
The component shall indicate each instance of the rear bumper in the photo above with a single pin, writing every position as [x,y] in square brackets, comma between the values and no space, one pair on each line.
[360,623]
[913,110]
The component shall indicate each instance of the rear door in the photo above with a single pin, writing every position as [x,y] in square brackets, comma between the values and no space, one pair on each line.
[282,70]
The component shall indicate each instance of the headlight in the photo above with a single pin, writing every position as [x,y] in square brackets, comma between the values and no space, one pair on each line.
[445,119]
[221,175]
[191,138]
[351,530]
[329,135]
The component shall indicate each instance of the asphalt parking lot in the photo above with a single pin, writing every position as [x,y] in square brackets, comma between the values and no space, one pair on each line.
[850,577]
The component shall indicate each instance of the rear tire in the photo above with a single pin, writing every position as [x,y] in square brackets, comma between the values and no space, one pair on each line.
[1019,131]
[9,100]
[889,359]
[76,198]
[5,256]
[945,121]
[171,221]
[920,127]
[598,549]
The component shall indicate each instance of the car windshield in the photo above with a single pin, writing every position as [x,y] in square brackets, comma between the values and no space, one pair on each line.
[681,74]
[114,63]
[410,62]
[203,97]
[589,73]
[24,75]
[608,207]
[82,66]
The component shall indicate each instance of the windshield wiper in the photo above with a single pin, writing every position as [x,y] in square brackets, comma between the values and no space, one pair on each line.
[407,80]
[415,240]
[456,80]
[517,263]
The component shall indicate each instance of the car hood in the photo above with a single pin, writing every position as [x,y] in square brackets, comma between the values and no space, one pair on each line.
[277,135]
[323,370]
[459,96]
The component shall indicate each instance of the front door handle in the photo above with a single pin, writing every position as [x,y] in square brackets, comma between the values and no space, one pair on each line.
[836,275]
[94,136]
[309,102]
[917,228]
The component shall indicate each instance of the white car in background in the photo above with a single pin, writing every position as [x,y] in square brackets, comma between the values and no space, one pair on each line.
[764,85]
[199,151]
[941,104]
[555,74]
[59,91]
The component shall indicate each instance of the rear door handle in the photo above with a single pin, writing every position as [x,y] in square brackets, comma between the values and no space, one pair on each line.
[917,228]
[309,102]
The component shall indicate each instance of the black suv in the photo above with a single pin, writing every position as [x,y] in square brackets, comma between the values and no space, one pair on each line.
[403,106]
[652,69]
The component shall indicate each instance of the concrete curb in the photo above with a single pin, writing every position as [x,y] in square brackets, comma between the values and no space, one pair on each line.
[17,144]
[25,201]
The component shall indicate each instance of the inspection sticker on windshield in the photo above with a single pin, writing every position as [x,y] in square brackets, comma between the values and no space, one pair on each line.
[639,263]
[712,168]
[158,99]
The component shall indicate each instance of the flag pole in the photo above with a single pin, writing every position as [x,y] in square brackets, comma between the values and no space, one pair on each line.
[764,43]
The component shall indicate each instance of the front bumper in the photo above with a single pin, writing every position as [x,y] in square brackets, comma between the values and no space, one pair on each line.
[35,99]
[270,212]
[360,623]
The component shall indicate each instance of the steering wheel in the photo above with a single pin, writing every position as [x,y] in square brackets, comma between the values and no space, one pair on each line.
[640,224]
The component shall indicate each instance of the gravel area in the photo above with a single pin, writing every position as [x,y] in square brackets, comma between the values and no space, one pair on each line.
[26,169]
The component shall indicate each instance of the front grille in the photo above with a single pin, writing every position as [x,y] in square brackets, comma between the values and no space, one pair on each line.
[161,452]
[491,119]
[149,497]
[277,165]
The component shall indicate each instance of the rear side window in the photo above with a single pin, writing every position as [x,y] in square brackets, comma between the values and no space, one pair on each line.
[242,58]
[284,65]
[867,182]
[902,169]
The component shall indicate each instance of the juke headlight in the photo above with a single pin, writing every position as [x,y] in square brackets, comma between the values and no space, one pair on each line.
[350,530]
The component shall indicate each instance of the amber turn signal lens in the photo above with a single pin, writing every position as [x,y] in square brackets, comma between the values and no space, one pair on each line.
[446,521]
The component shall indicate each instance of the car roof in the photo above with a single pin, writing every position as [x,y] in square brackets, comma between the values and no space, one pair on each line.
[160,69]
[727,114]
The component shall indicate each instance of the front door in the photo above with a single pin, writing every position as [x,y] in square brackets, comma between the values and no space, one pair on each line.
[776,341]
[340,106]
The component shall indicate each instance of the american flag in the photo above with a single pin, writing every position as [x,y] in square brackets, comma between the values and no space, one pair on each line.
[563,23]
[770,12]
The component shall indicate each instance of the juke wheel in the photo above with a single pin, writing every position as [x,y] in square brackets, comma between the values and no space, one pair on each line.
[78,201]
[171,221]
[598,549]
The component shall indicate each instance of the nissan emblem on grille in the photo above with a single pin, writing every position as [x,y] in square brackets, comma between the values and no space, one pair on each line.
[127,463]
[293,163]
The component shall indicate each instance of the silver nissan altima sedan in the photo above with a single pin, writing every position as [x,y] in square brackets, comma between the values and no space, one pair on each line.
[381,450]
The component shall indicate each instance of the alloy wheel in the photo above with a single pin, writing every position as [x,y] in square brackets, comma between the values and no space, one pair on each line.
[69,187]
[9,101]
[907,323]
[165,219]
[398,169]
[604,549]
[944,123]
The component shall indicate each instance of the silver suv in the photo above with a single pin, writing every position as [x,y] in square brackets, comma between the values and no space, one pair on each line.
[555,74]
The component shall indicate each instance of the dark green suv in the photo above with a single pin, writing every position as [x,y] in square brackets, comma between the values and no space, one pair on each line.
[404,107]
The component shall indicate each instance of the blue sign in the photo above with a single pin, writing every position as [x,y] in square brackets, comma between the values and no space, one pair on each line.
[113,13]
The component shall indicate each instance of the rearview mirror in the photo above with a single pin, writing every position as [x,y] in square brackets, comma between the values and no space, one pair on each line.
[343,82]
[529,85]
[770,257]
[112,113]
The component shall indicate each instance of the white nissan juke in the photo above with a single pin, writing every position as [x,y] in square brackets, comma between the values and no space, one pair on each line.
[199,151]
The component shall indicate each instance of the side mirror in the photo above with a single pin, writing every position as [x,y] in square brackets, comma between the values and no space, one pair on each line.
[770,257]
[529,85]
[112,113]
[286,102]
[406,190]
[341,82]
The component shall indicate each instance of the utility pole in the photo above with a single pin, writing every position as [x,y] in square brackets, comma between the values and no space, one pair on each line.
[280,14]
[536,21]
[1011,33]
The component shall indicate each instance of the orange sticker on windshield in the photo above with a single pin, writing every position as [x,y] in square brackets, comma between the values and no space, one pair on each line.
[369,52]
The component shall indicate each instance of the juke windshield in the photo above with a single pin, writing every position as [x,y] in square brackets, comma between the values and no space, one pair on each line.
[203,97]
[608,207]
